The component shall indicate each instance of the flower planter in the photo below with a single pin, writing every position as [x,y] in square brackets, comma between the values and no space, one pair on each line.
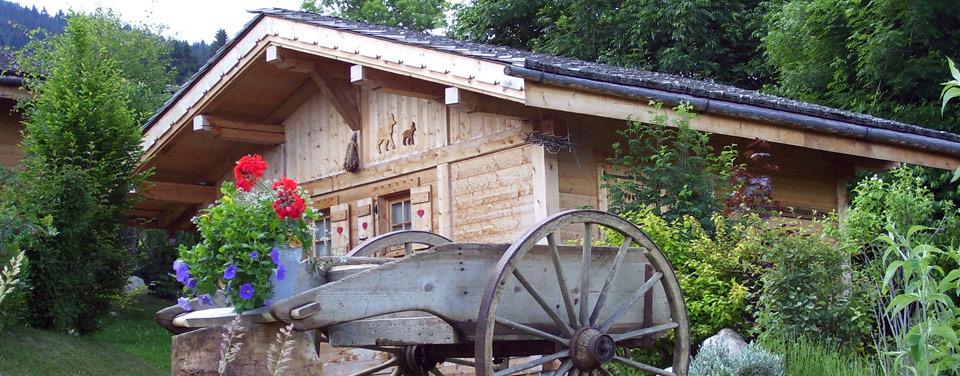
[299,277]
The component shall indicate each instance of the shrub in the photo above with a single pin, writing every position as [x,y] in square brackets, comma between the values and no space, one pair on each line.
[805,293]
[155,252]
[753,360]
[82,144]
[669,167]
[717,272]
[805,357]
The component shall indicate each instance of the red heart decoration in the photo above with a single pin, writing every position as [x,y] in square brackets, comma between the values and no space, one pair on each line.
[364,225]
[420,213]
[339,230]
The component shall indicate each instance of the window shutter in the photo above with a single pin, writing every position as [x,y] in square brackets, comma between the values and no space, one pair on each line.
[339,229]
[364,214]
[420,209]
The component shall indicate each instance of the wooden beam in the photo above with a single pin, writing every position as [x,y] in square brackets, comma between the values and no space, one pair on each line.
[280,58]
[239,131]
[343,96]
[180,192]
[472,102]
[374,79]
[600,105]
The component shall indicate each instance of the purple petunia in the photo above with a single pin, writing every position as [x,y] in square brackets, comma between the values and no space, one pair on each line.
[191,283]
[206,299]
[275,255]
[281,272]
[230,272]
[182,270]
[254,255]
[246,291]
[184,304]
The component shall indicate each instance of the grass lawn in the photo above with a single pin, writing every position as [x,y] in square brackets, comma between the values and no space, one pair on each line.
[129,344]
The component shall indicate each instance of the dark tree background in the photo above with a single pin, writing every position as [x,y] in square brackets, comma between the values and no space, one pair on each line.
[17,22]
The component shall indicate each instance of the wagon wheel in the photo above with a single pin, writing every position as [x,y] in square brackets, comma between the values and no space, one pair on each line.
[583,342]
[410,361]
[406,238]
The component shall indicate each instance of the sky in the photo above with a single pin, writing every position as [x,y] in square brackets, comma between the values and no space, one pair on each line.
[191,20]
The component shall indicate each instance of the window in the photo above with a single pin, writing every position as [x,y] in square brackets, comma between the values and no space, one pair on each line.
[322,235]
[400,214]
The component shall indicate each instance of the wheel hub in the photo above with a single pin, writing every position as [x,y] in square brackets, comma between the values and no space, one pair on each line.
[591,348]
[415,362]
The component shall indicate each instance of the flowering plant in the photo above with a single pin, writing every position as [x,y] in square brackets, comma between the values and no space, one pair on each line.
[242,236]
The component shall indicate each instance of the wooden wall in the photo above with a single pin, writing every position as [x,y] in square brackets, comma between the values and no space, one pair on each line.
[317,139]
[380,106]
[493,196]
[10,128]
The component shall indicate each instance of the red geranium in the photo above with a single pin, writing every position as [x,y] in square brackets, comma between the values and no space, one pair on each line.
[288,204]
[249,169]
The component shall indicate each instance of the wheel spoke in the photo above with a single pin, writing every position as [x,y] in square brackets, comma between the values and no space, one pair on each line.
[533,363]
[435,372]
[585,273]
[642,366]
[377,368]
[631,301]
[621,253]
[396,371]
[644,331]
[462,362]
[605,372]
[531,331]
[567,301]
[543,304]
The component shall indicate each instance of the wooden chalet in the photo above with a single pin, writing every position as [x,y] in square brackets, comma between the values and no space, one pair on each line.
[11,91]
[442,131]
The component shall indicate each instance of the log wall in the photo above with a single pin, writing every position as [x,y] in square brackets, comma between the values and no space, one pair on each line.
[10,128]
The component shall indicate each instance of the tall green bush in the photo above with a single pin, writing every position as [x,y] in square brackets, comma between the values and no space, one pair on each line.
[82,144]
[806,292]
[669,167]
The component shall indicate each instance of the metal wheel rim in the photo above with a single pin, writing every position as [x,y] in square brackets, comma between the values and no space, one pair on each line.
[487,320]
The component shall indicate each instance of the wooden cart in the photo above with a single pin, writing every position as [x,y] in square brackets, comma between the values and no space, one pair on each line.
[532,306]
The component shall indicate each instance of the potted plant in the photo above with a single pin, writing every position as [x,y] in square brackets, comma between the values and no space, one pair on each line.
[251,238]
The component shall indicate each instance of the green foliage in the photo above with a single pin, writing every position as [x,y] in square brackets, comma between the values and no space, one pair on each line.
[417,15]
[12,292]
[806,293]
[704,39]
[140,56]
[929,345]
[881,57]
[753,360]
[717,272]
[805,357]
[238,224]
[155,252]
[82,144]
[669,167]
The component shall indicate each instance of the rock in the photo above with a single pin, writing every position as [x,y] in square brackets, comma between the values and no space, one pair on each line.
[135,283]
[728,339]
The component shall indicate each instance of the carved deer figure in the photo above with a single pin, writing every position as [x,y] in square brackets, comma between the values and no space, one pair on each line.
[385,136]
[408,133]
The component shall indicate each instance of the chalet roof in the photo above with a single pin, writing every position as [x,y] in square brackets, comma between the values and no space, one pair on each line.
[579,69]
[9,76]
[603,72]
